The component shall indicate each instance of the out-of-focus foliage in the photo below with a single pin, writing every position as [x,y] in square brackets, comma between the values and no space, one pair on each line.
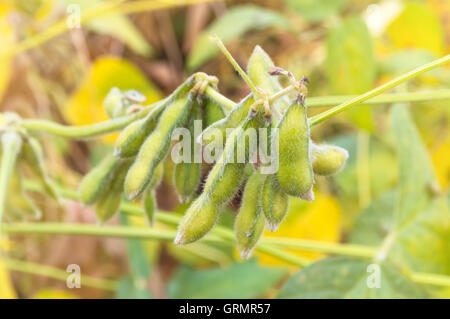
[240,280]
[233,24]
[115,25]
[6,287]
[316,10]
[347,277]
[85,105]
[6,39]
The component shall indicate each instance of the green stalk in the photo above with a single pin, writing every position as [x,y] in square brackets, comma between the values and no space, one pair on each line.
[11,144]
[380,89]
[56,273]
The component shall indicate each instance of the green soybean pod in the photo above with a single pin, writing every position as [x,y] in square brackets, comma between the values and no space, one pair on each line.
[233,119]
[108,204]
[131,138]
[149,203]
[34,156]
[93,185]
[274,203]
[187,175]
[11,143]
[156,147]
[258,67]
[249,224]
[327,159]
[213,112]
[221,185]
[295,174]
[113,103]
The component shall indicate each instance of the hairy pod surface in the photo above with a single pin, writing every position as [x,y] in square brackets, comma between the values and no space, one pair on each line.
[131,138]
[187,175]
[233,119]
[149,203]
[33,155]
[327,159]
[221,185]
[249,224]
[94,184]
[295,174]
[156,146]
[258,68]
[198,220]
[274,203]
[113,103]
[213,112]
[108,204]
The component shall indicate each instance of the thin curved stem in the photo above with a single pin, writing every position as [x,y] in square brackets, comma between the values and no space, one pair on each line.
[380,89]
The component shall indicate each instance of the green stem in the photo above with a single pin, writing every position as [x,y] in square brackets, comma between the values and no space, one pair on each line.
[56,273]
[169,235]
[382,99]
[85,131]
[382,88]
[11,144]
[219,98]
[321,246]
[110,126]
[236,65]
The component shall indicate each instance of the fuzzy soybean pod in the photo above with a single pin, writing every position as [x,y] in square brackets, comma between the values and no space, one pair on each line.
[187,175]
[274,203]
[327,159]
[131,138]
[232,120]
[221,185]
[213,112]
[258,67]
[149,200]
[33,155]
[249,224]
[93,185]
[156,146]
[108,204]
[295,174]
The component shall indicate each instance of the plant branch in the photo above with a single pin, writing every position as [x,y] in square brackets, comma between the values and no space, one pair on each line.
[56,273]
[380,89]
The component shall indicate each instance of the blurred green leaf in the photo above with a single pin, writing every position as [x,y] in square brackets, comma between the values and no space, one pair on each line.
[126,289]
[375,222]
[347,277]
[316,10]
[350,64]
[115,25]
[230,26]
[413,220]
[403,61]
[239,280]
[136,284]
[421,216]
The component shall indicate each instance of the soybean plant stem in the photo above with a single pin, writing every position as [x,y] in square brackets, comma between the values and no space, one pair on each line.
[236,65]
[382,88]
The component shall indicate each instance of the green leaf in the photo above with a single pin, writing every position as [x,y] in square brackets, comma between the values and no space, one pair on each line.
[115,25]
[140,267]
[375,222]
[350,64]
[316,10]
[230,26]
[240,280]
[421,217]
[126,289]
[348,277]
[411,222]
